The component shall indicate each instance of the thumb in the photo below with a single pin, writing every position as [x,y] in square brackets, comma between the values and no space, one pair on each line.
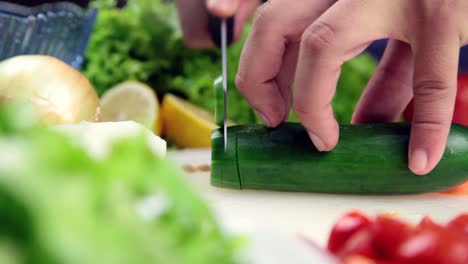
[222,8]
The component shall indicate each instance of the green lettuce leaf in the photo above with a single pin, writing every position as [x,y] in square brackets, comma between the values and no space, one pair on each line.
[143,42]
[60,205]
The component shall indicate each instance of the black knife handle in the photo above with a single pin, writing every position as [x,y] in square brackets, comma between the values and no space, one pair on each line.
[215,29]
[214,23]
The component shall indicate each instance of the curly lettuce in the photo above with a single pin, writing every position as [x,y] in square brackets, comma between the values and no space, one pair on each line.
[143,42]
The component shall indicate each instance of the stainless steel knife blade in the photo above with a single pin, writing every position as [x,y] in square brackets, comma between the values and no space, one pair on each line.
[224,65]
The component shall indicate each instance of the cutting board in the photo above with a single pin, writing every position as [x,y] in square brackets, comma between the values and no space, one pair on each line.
[308,215]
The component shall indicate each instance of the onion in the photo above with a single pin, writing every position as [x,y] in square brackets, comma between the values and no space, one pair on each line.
[58,93]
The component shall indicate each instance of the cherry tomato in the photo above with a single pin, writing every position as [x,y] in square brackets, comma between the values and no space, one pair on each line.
[434,247]
[355,239]
[360,243]
[408,113]
[461,104]
[344,228]
[428,223]
[389,233]
[357,259]
[460,224]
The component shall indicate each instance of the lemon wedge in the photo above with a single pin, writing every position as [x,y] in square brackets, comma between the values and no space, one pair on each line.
[185,124]
[131,101]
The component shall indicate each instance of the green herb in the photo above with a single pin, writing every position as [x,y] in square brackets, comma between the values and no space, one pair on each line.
[143,42]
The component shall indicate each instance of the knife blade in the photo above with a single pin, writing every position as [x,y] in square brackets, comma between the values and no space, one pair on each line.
[224,63]
[222,33]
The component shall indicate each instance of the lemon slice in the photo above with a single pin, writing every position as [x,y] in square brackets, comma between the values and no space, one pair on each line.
[131,101]
[185,124]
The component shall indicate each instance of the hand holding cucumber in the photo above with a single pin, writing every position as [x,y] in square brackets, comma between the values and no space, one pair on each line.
[308,41]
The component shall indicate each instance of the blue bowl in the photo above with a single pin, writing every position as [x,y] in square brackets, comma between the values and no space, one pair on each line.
[61,30]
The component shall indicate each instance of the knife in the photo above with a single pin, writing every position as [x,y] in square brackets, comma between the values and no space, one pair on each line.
[222,33]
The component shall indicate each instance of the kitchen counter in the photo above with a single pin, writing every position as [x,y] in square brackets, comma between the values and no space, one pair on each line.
[305,214]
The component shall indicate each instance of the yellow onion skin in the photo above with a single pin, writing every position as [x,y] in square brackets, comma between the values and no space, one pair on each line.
[57,92]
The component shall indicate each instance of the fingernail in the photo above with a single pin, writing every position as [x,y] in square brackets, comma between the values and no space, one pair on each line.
[264,119]
[227,6]
[418,160]
[212,3]
[317,142]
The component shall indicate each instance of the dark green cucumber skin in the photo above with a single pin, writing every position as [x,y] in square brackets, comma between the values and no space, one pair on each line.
[369,159]
[224,169]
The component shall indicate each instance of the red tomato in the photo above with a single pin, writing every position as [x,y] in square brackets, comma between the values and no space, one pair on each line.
[356,239]
[428,223]
[461,104]
[344,228]
[460,224]
[408,113]
[434,247]
[389,234]
[360,243]
[357,259]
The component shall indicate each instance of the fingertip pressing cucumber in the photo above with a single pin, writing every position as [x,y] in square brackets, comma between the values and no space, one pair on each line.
[369,159]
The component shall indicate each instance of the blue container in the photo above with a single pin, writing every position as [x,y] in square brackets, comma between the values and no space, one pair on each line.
[61,30]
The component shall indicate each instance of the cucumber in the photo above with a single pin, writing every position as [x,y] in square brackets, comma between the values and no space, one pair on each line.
[369,159]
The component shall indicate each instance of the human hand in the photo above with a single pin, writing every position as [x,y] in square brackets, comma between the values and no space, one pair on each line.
[193,16]
[309,41]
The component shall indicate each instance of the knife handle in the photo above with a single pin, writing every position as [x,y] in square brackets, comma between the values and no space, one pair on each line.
[214,23]
[215,29]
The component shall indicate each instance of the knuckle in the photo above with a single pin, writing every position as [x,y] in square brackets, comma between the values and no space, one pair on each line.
[435,7]
[431,90]
[311,114]
[438,13]
[263,14]
[319,36]
[430,126]
[302,111]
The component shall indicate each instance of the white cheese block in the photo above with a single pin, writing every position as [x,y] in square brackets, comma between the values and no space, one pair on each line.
[98,137]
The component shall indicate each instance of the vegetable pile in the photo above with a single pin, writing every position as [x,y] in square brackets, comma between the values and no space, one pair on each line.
[60,205]
[143,42]
[356,238]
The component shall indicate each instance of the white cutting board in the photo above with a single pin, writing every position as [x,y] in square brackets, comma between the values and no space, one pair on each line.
[306,214]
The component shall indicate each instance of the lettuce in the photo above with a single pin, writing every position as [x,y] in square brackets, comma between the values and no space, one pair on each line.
[59,205]
[143,42]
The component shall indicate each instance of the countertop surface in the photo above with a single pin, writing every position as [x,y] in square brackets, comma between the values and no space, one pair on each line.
[308,215]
